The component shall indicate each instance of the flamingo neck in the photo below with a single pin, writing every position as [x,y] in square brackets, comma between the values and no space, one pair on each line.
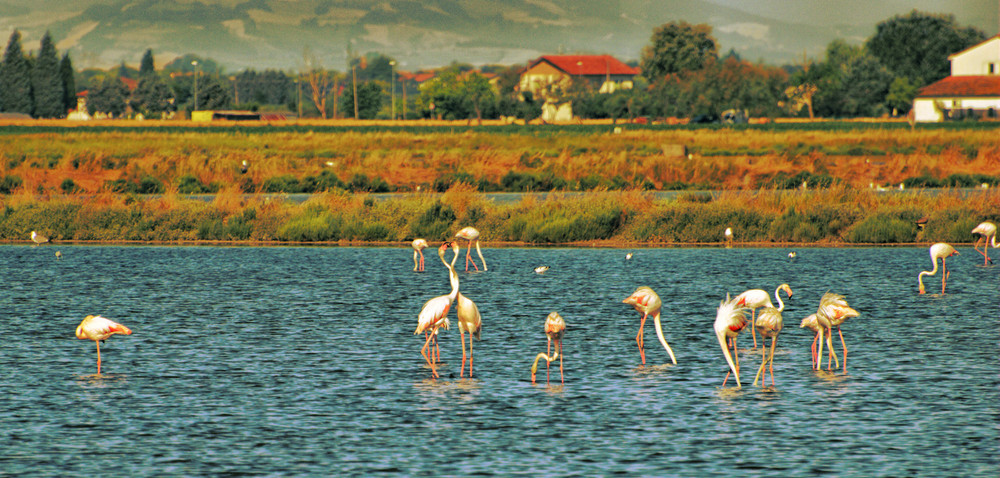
[993,241]
[781,305]
[452,276]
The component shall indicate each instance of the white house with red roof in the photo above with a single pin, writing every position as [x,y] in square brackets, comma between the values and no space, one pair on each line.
[549,77]
[972,90]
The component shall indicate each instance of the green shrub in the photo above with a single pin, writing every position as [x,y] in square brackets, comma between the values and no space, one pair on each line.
[883,228]
[434,223]
[68,186]
[282,184]
[10,183]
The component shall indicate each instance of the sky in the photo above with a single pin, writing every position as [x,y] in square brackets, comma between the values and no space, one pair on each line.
[282,34]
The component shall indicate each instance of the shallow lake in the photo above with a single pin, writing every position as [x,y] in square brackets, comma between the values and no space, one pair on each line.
[302,361]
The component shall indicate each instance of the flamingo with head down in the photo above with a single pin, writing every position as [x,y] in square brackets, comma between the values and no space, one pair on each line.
[730,319]
[757,298]
[471,234]
[833,311]
[988,232]
[938,251]
[555,328]
[647,302]
[418,254]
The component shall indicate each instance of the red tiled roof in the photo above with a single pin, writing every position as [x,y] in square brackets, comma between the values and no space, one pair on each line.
[587,64]
[962,86]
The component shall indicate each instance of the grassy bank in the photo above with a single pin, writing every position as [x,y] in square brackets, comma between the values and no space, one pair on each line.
[834,216]
[309,158]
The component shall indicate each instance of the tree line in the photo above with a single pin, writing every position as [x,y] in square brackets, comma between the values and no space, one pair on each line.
[683,75]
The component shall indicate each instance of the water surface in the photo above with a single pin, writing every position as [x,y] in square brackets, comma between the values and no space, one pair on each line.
[302,361]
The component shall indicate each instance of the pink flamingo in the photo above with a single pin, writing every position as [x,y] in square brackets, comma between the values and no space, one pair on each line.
[418,254]
[434,314]
[97,328]
[469,319]
[756,298]
[938,251]
[769,322]
[730,319]
[471,234]
[555,327]
[988,231]
[647,302]
[833,311]
[812,323]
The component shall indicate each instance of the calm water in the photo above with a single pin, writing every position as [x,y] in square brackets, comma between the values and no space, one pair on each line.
[302,361]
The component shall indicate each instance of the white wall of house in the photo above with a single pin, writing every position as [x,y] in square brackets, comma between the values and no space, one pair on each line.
[982,59]
[928,110]
[924,111]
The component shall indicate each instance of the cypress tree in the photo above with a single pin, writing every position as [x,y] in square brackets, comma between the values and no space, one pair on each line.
[68,81]
[146,68]
[15,76]
[47,81]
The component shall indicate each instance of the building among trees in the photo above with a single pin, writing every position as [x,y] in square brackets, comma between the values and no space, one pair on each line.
[550,77]
[971,91]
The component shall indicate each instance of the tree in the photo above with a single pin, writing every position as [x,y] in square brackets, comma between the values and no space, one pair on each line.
[917,45]
[678,47]
[723,85]
[110,97]
[321,82]
[153,97]
[68,79]
[865,86]
[147,67]
[478,91]
[901,94]
[369,99]
[46,81]
[15,78]
[212,94]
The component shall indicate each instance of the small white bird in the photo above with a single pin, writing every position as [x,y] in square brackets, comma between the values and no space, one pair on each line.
[729,237]
[792,255]
[628,257]
[38,238]
[58,255]
[541,269]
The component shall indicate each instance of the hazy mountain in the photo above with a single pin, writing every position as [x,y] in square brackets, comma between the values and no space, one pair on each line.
[425,33]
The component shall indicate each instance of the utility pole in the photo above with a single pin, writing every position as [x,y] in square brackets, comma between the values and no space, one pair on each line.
[392,78]
[354,75]
[195,65]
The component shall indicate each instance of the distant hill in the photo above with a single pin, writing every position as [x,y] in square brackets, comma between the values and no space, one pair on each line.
[273,33]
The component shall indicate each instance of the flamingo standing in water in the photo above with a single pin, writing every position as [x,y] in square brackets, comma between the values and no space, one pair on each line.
[471,234]
[833,311]
[812,323]
[769,322]
[434,314]
[469,319]
[938,251]
[555,327]
[757,298]
[730,319]
[418,254]
[988,231]
[97,328]
[647,302]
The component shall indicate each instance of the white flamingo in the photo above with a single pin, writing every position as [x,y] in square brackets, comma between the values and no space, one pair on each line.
[730,319]
[988,231]
[754,299]
[938,251]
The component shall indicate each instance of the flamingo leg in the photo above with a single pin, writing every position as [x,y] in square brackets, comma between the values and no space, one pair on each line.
[547,361]
[559,351]
[844,344]
[770,364]
[638,339]
[944,273]
[421,261]
[819,354]
[423,351]
[753,330]
[829,345]
[468,257]
[815,338]
[98,342]
[763,364]
[462,336]
[470,354]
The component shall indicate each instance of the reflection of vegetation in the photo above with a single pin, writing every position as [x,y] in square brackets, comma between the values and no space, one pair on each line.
[835,215]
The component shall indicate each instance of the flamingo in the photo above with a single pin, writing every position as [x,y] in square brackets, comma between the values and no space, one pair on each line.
[988,231]
[757,298]
[769,322]
[812,323]
[938,251]
[434,314]
[418,252]
[729,237]
[647,302]
[38,238]
[730,319]
[628,257]
[541,269]
[833,311]
[97,328]
[792,255]
[469,319]
[555,327]
[471,234]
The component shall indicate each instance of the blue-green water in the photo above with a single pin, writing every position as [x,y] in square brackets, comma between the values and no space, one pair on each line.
[302,361]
